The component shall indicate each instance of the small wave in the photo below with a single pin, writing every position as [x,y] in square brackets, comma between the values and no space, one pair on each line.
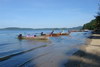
[12,55]
[21,65]
[5,44]
[2,34]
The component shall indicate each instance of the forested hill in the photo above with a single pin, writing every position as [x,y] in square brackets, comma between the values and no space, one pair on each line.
[17,28]
[91,25]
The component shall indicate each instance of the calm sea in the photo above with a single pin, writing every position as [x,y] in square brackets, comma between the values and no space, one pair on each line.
[37,53]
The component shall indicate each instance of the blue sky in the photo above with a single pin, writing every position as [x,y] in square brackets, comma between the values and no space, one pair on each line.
[46,13]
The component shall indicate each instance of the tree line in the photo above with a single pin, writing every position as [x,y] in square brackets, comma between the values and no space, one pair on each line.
[91,25]
[94,24]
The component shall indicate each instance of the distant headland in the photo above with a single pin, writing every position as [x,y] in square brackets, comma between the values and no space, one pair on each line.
[18,28]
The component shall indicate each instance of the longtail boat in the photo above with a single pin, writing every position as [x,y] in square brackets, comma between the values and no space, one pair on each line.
[56,34]
[65,34]
[35,38]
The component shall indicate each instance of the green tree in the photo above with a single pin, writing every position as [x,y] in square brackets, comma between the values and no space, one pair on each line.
[91,25]
[94,24]
[97,29]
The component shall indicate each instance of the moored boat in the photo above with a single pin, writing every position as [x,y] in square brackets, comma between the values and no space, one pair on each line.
[55,35]
[64,34]
[52,35]
[35,38]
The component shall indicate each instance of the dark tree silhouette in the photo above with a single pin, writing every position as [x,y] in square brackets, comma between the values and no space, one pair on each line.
[94,24]
[98,21]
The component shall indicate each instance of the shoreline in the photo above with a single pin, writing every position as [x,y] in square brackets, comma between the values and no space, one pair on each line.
[88,55]
[73,60]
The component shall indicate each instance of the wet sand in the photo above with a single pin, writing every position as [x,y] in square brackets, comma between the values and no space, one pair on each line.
[88,55]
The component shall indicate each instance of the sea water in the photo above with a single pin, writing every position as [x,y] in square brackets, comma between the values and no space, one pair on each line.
[38,53]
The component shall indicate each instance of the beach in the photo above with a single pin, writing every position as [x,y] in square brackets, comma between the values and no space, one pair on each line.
[88,55]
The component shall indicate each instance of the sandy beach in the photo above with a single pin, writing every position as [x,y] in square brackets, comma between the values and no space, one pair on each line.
[88,55]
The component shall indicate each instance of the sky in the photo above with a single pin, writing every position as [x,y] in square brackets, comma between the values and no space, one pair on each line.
[47,13]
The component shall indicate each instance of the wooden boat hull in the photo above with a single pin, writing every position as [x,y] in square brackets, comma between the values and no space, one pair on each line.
[64,34]
[35,38]
[51,35]
[59,34]
[55,35]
